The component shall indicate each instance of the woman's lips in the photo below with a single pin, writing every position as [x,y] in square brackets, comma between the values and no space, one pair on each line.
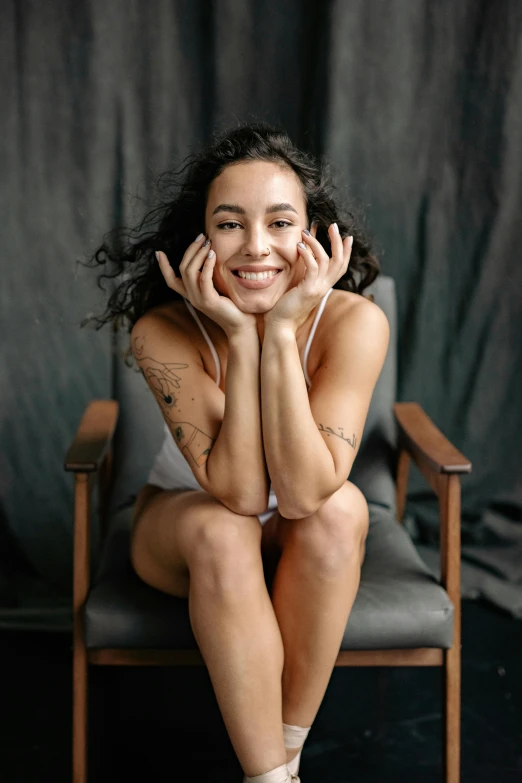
[244,283]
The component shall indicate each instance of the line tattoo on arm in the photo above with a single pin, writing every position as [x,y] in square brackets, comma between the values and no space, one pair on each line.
[162,377]
[329,431]
[194,444]
[164,381]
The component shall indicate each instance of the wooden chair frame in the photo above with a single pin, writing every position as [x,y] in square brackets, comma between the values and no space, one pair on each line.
[90,458]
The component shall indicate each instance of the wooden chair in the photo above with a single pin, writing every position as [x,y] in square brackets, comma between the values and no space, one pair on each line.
[401,617]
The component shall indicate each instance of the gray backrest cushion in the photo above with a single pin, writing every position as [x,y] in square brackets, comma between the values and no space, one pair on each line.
[139,432]
[375,465]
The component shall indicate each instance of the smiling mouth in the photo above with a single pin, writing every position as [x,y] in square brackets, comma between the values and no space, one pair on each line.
[256,275]
[258,280]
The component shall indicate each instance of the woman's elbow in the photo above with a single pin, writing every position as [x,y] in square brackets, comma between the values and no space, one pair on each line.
[246,506]
[299,510]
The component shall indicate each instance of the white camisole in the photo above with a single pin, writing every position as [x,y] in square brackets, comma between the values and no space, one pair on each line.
[170,469]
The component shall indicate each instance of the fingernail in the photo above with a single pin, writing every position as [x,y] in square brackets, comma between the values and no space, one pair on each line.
[335,228]
[199,237]
[301,245]
[206,243]
[211,254]
[305,231]
[157,255]
[351,241]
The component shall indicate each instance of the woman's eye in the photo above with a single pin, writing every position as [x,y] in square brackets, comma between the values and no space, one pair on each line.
[229,224]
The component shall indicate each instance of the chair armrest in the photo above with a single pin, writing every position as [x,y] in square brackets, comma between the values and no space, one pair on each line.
[89,457]
[427,445]
[93,437]
[441,464]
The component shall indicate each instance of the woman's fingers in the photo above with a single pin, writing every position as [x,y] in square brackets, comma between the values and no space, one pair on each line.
[347,251]
[176,283]
[192,251]
[312,263]
[341,248]
[196,270]
[206,277]
[336,243]
[166,269]
[315,247]
[193,267]
[195,264]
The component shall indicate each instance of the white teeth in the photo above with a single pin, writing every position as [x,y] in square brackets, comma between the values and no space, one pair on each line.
[257,275]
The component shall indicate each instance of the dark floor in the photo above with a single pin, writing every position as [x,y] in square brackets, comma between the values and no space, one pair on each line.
[375,725]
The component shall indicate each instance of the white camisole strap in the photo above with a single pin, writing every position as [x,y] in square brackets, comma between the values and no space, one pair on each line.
[306,350]
[207,338]
[311,336]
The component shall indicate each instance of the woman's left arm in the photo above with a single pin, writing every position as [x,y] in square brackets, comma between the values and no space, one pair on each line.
[311,439]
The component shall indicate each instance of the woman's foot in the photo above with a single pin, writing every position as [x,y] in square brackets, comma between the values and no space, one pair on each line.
[278,775]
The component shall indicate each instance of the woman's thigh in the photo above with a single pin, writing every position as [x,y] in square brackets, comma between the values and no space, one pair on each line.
[168,527]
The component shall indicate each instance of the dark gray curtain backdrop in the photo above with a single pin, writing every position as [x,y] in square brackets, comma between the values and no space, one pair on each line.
[418,106]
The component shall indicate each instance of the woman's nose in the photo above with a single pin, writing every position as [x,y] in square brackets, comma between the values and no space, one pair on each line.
[255,243]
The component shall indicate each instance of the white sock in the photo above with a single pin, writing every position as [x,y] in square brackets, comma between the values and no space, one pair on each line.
[294,737]
[278,775]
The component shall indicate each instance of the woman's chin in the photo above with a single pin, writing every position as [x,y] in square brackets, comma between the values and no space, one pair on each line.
[254,302]
[255,307]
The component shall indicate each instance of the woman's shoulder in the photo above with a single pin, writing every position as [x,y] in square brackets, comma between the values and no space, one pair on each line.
[169,316]
[347,311]
[346,304]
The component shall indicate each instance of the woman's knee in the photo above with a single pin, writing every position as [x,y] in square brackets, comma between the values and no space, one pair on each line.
[224,550]
[192,532]
[335,533]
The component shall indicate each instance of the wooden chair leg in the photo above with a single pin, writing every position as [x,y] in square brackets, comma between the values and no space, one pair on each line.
[79,754]
[449,499]
[82,508]
[451,715]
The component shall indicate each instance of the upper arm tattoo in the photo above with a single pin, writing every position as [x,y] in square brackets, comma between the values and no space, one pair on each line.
[162,377]
[329,431]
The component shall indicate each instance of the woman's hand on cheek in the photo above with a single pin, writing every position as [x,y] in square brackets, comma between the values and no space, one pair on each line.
[196,284]
[321,273]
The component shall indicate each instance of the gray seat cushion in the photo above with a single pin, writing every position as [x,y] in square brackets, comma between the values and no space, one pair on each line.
[399,603]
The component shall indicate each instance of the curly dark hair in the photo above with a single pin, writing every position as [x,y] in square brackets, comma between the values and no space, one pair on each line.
[172,225]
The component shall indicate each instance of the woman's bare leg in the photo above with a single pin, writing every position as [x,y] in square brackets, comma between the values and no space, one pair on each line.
[314,588]
[189,544]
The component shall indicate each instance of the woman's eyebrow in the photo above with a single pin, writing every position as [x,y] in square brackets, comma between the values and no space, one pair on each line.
[283,207]
[229,208]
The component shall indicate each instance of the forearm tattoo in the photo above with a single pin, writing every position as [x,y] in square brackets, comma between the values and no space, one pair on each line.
[192,442]
[329,431]
[165,383]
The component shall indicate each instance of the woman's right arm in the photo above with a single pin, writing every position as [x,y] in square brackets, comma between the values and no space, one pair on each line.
[219,435]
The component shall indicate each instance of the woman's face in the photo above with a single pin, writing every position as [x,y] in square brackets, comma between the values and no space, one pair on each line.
[254,217]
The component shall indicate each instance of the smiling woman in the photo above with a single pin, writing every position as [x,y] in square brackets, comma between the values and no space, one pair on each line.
[264,374]
[127,254]
[256,238]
